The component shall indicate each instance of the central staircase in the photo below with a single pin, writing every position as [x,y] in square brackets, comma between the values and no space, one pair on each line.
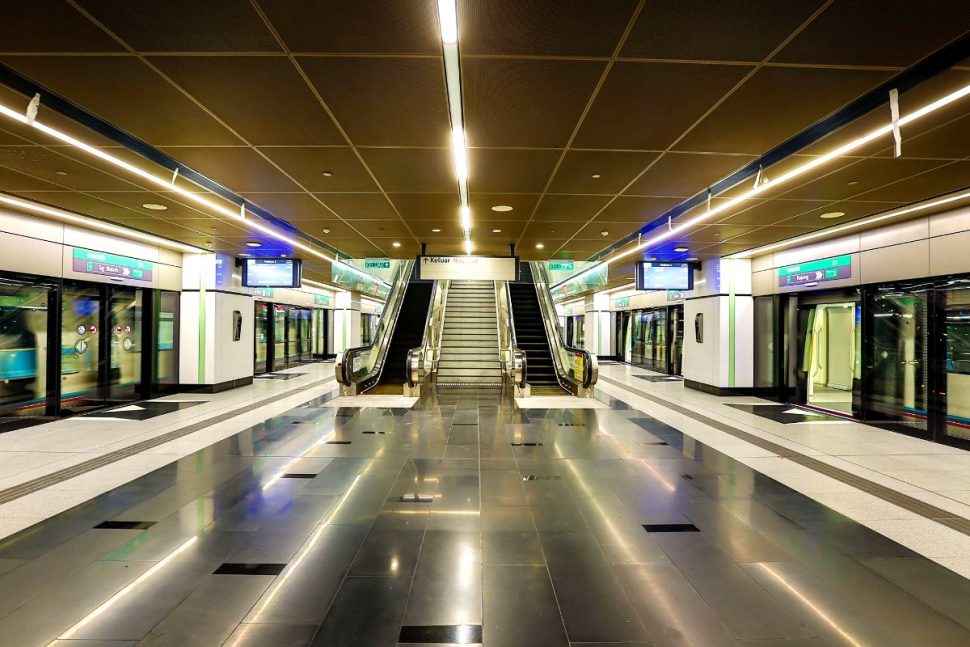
[469,343]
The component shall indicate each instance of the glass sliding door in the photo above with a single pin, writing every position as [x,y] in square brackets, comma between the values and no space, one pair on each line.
[279,337]
[125,335]
[623,341]
[957,379]
[898,369]
[81,322]
[262,337]
[166,338]
[830,343]
[676,323]
[23,347]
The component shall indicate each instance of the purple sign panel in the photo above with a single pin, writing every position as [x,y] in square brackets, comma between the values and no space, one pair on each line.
[91,262]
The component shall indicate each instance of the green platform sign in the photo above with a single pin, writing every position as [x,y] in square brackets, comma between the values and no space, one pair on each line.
[91,262]
[827,269]
[263,292]
[561,266]
[622,302]
[377,263]
[321,299]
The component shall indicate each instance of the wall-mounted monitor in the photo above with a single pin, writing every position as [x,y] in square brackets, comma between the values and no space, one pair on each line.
[272,273]
[653,275]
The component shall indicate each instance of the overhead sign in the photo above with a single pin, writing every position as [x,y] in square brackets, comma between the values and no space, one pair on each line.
[827,269]
[561,266]
[468,268]
[271,273]
[91,262]
[664,276]
[674,295]
[377,263]
[622,302]
[263,292]
[321,299]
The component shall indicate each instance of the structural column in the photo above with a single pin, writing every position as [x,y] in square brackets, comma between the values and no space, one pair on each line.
[598,328]
[216,325]
[719,328]
[346,321]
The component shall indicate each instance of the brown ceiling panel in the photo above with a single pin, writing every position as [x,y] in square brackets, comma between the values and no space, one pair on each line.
[594,232]
[767,212]
[127,93]
[569,208]
[84,204]
[238,168]
[175,231]
[218,227]
[384,229]
[255,109]
[17,133]
[356,26]
[440,207]
[869,174]
[561,28]
[637,210]
[720,249]
[384,101]
[522,205]
[307,164]
[614,171]
[950,140]
[493,170]
[178,207]
[45,164]
[951,176]
[649,105]
[11,180]
[853,210]
[685,174]
[359,206]
[525,102]
[408,248]
[552,230]
[184,25]
[727,31]
[292,207]
[64,29]
[775,104]
[767,235]
[892,32]
[582,247]
[412,169]
[325,229]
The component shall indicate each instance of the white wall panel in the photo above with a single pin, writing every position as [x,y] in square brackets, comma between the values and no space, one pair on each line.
[907,261]
[29,255]
[897,234]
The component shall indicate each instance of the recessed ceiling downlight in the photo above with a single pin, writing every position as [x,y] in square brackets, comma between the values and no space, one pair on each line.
[680,249]
[496,231]
[832,215]
[540,246]
[253,243]
[396,244]
[502,208]
[436,231]
[154,206]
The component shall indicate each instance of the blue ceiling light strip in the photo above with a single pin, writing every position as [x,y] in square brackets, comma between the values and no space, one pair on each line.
[937,62]
[54,102]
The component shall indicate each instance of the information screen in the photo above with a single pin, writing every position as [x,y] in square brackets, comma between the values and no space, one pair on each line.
[665,276]
[271,273]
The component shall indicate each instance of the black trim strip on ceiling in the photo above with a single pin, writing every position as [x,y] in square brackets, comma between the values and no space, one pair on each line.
[939,61]
[50,100]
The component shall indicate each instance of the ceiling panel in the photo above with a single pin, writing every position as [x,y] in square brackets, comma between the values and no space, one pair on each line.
[594,232]
[11,180]
[384,229]
[184,25]
[894,32]
[47,165]
[127,93]
[412,169]
[384,101]
[481,205]
[578,208]
[774,104]
[867,175]
[635,209]
[292,207]
[408,247]
[64,29]
[389,26]
[238,168]
[649,105]
[359,206]
[307,165]
[685,174]
[178,208]
[440,207]
[732,30]
[561,28]
[951,176]
[496,170]
[551,230]
[216,84]
[525,102]
[614,170]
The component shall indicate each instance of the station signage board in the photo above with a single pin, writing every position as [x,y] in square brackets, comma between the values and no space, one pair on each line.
[468,268]
[377,263]
[561,266]
[91,262]
[622,302]
[827,269]
[321,299]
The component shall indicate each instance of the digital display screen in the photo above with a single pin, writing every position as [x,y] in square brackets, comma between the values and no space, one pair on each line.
[271,273]
[665,276]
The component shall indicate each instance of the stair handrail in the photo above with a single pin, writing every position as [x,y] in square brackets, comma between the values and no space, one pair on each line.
[358,368]
[512,357]
[575,376]
[422,361]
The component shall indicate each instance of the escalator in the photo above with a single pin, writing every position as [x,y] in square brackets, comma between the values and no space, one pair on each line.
[407,335]
[530,333]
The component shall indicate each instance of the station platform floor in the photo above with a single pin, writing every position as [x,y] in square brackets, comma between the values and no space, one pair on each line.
[280,514]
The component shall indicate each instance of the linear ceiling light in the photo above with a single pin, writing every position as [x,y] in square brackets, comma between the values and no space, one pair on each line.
[91,223]
[798,171]
[237,216]
[864,222]
[448,20]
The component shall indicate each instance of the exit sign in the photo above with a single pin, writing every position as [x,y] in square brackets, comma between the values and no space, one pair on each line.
[377,264]
[623,302]
[561,266]
[827,269]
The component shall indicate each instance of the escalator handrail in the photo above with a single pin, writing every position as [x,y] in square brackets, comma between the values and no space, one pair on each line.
[517,362]
[417,357]
[343,366]
[554,333]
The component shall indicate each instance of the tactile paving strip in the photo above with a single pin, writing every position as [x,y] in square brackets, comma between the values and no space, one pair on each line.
[904,501]
[41,482]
